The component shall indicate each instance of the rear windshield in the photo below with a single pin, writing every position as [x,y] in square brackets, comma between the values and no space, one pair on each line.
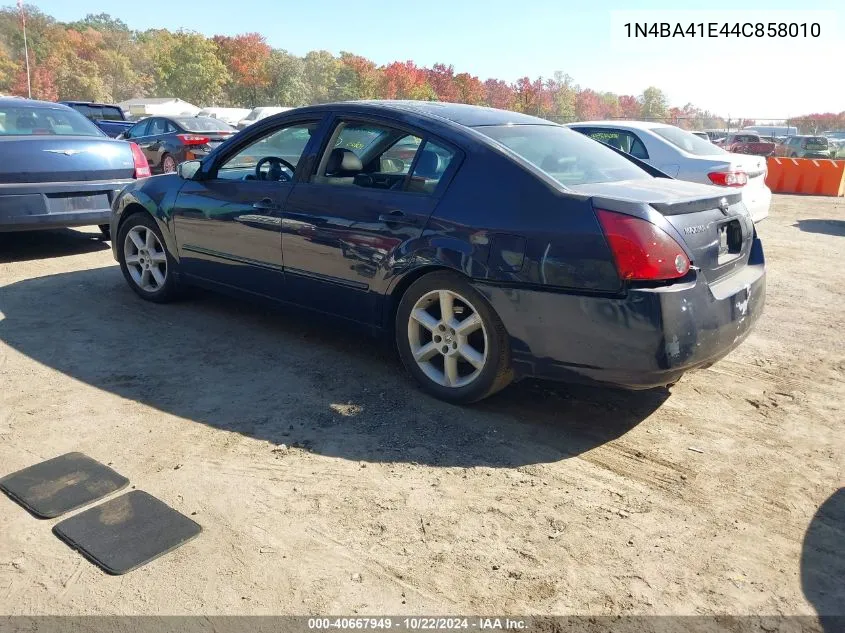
[98,112]
[815,141]
[565,155]
[690,143]
[31,121]
[204,124]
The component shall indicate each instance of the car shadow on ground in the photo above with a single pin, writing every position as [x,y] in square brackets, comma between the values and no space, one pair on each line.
[823,563]
[284,377]
[22,246]
[827,227]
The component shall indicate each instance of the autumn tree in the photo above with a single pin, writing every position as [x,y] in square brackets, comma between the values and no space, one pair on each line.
[499,94]
[470,89]
[246,57]
[589,105]
[442,80]
[629,107]
[404,80]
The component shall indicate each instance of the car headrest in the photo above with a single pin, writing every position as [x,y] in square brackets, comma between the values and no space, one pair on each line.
[428,164]
[343,160]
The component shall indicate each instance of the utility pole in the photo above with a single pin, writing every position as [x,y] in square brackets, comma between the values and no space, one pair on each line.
[25,49]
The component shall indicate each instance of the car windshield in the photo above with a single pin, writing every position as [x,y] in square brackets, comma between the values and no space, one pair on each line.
[31,121]
[204,124]
[690,143]
[567,156]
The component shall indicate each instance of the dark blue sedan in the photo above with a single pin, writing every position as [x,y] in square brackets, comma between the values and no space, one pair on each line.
[58,169]
[490,245]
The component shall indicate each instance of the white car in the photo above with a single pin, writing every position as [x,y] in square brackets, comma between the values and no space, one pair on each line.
[259,113]
[227,115]
[685,156]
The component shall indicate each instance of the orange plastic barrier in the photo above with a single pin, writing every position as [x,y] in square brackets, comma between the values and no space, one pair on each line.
[814,176]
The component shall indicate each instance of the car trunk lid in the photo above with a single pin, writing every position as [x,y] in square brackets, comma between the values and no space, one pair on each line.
[48,159]
[712,222]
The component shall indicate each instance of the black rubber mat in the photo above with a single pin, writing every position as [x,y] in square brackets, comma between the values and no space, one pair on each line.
[61,484]
[124,533]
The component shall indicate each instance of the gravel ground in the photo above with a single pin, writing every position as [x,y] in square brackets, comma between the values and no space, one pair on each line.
[327,483]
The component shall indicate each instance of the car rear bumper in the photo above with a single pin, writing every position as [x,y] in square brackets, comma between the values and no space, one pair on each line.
[646,339]
[757,198]
[33,206]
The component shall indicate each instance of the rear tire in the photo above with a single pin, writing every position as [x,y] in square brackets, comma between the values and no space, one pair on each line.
[144,260]
[168,164]
[451,340]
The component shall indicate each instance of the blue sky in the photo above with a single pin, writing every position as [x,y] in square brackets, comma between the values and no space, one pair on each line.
[509,39]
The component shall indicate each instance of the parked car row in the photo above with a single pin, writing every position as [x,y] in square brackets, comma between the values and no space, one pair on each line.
[489,245]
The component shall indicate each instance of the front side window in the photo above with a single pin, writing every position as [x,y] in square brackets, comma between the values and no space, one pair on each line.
[287,144]
[689,143]
[157,127]
[139,129]
[31,121]
[567,156]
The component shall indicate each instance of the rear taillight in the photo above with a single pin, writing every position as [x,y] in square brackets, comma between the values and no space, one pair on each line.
[193,139]
[142,167]
[643,251]
[728,178]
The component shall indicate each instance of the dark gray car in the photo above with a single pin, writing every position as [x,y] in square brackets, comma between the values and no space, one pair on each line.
[168,141]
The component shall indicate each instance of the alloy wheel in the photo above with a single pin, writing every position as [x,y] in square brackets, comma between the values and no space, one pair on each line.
[448,338]
[145,258]
[168,165]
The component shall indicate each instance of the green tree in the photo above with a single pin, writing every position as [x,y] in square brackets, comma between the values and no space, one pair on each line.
[187,67]
[287,83]
[653,103]
[357,78]
[320,76]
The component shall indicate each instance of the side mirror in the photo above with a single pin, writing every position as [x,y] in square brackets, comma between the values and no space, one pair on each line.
[188,169]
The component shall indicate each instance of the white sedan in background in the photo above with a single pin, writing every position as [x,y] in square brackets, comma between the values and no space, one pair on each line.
[685,156]
[256,114]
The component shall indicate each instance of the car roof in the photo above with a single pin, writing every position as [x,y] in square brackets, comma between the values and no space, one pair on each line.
[635,125]
[91,103]
[459,113]
[31,103]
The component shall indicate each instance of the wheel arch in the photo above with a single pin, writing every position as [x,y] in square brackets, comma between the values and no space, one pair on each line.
[132,202]
[401,285]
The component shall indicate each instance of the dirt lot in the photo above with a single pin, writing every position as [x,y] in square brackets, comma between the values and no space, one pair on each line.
[327,483]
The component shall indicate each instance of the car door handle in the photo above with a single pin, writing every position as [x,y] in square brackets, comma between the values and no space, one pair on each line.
[397,217]
[265,204]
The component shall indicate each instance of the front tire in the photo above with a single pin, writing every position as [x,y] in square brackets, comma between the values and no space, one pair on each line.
[146,265]
[451,340]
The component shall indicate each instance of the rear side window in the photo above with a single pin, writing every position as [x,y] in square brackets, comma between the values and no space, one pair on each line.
[815,142]
[690,143]
[34,121]
[431,163]
[567,156]
[628,142]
